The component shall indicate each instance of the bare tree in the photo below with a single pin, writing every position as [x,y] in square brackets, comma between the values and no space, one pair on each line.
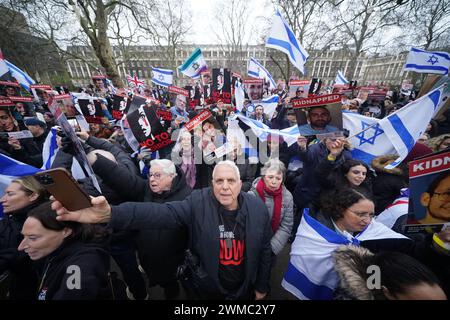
[431,22]
[233,29]
[359,21]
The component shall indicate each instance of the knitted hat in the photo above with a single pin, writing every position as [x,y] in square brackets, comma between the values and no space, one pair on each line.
[35,122]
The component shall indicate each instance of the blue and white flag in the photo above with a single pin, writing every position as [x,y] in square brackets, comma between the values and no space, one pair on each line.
[269,104]
[21,76]
[11,169]
[396,133]
[111,86]
[50,149]
[162,77]
[194,65]
[257,70]
[310,274]
[282,38]
[422,61]
[239,95]
[340,78]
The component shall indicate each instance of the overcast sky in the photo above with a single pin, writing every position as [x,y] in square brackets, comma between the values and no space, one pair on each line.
[203,13]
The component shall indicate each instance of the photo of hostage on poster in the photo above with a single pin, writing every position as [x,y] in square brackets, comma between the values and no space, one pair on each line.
[429,203]
[205,127]
[318,115]
[254,88]
[298,89]
[120,106]
[23,106]
[68,131]
[41,93]
[92,110]
[71,111]
[9,89]
[221,88]
[147,128]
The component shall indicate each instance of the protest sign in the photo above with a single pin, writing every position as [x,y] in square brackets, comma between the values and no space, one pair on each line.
[9,88]
[221,88]
[429,182]
[254,88]
[315,85]
[136,102]
[92,110]
[120,106]
[318,115]
[64,104]
[41,93]
[23,106]
[147,129]
[298,88]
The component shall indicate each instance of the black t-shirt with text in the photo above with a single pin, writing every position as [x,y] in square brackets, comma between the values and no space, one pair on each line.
[232,251]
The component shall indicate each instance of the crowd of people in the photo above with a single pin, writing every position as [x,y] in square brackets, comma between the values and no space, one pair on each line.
[214,229]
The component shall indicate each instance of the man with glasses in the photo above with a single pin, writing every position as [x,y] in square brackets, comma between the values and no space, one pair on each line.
[437,200]
[319,119]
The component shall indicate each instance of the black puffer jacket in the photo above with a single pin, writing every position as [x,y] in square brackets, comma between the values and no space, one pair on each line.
[200,214]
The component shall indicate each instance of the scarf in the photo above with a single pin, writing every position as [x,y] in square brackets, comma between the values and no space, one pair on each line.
[277,201]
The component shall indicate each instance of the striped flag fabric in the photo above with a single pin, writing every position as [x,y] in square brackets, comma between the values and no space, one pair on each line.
[21,76]
[340,78]
[282,38]
[194,65]
[423,61]
[257,70]
[310,274]
[162,77]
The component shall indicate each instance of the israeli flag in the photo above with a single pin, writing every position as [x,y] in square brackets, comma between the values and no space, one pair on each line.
[21,76]
[162,77]
[262,131]
[282,38]
[310,274]
[269,104]
[422,61]
[256,70]
[395,210]
[49,151]
[11,169]
[194,65]
[111,86]
[340,78]
[239,95]
[395,134]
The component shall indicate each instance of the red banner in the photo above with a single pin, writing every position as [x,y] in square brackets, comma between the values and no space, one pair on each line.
[9,84]
[178,90]
[253,80]
[21,99]
[316,101]
[6,102]
[433,164]
[41,86]
[298,82]
[198,119]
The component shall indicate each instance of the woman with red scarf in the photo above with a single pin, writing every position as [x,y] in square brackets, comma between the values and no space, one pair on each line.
[269,187]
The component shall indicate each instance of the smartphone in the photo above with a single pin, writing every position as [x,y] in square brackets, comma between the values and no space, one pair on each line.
[64,188]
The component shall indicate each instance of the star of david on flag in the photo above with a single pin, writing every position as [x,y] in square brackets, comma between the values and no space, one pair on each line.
[396,133]
[422,61]
[368,136]
[162,77]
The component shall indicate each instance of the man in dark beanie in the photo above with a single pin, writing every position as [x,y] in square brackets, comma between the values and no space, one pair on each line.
[39,131]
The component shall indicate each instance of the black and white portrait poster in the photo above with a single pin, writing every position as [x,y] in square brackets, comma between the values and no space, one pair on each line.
[221,89]
[147,128]
[92,110]
[120,106]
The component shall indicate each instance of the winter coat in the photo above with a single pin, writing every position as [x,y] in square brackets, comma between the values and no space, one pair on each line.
[387,184]
[200,214]
[160,251]
[308,188]
[247,171]
[281,236]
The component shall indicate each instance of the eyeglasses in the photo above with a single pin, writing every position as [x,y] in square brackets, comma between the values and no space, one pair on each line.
[363,215]
[443,196]
[155,175]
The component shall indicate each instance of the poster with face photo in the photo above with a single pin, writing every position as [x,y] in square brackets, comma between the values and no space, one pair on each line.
[41,93]
[147,129]
[318,115]
[221,88]
[315,85]
[9,89]
[429,199]
[65,104]
[254,88]
[207,129]
[92,110]
[120,106]
[23,106]
[136,102]
[179,97]
[298,89]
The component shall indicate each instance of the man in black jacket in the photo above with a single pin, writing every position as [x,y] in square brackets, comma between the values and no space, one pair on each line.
[229,233]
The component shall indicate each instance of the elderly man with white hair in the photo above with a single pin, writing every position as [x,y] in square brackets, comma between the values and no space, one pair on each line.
[229,232]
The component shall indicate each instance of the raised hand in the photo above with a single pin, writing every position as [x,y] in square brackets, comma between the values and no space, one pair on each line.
[100,212]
